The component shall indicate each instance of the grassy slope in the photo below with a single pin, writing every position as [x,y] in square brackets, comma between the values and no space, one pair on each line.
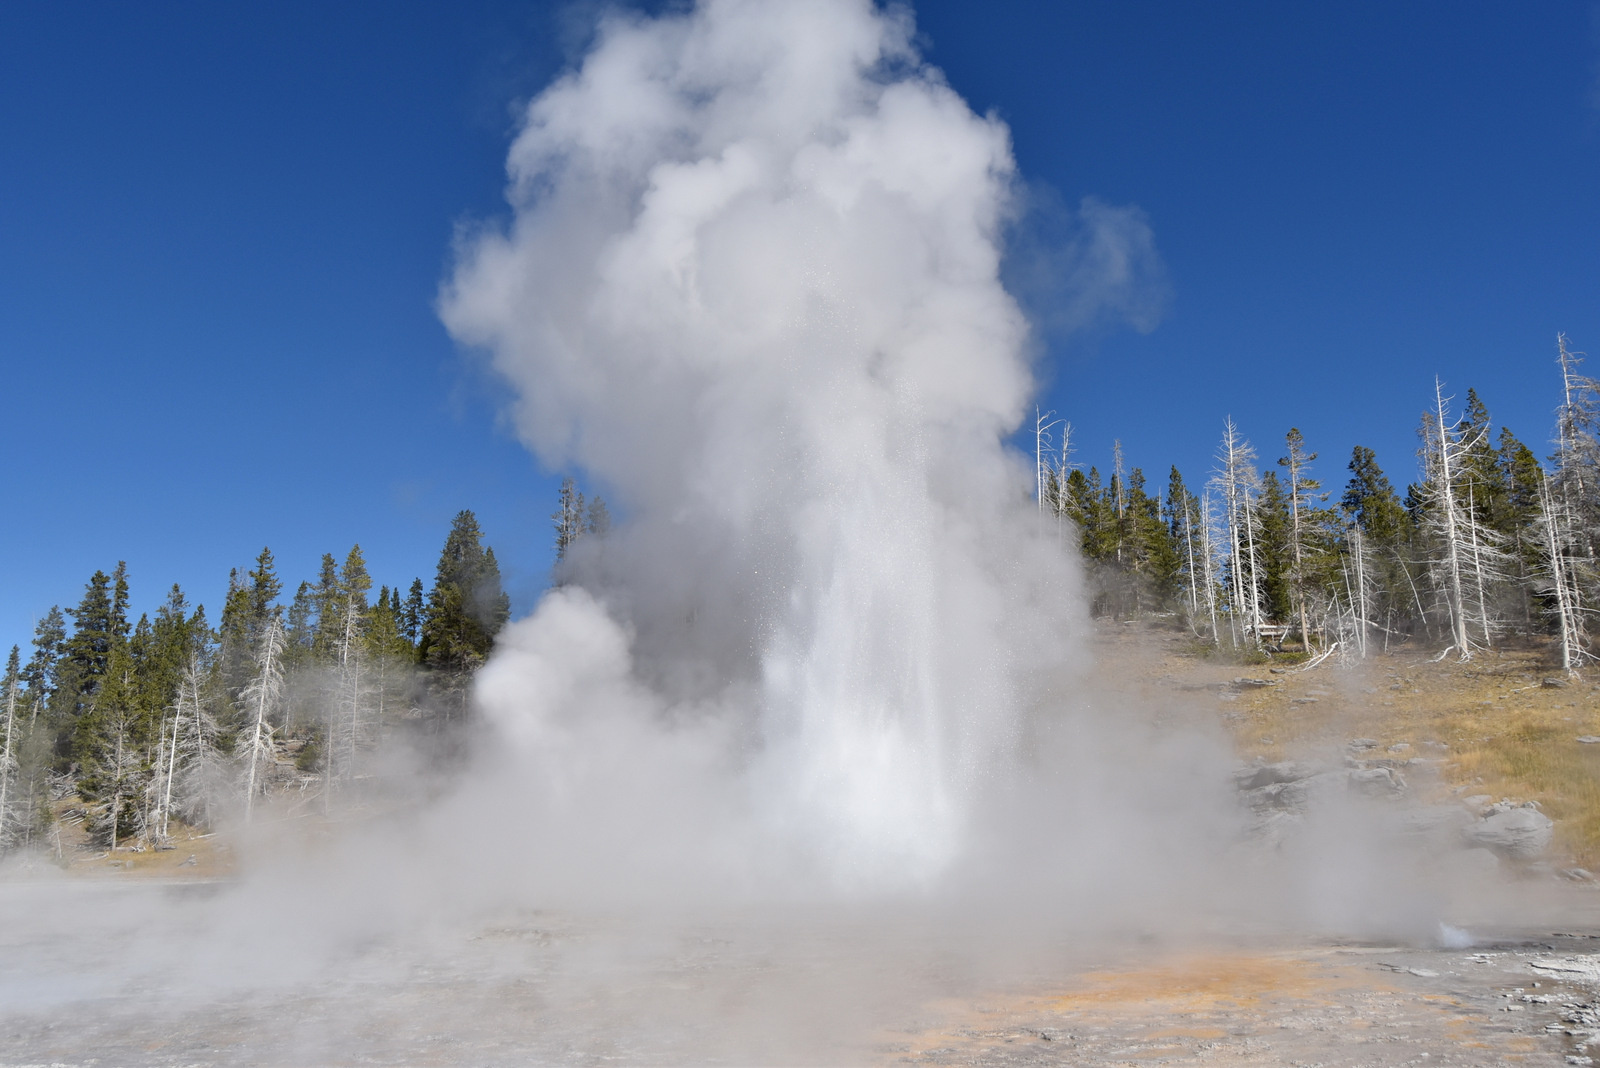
[1504,733]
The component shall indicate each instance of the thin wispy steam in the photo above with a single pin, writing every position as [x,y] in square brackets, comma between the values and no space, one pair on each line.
[1076,269]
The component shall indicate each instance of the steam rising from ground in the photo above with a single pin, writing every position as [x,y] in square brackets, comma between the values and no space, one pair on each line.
[752,285]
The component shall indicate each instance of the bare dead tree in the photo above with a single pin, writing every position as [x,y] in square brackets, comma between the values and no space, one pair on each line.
[1195,578]
[1468,558]
[1559,546]
[352,667]
[8,753]
[1577,474]
[191,776]
[1208,561]
[1239,482]
[262,698]
[343,723]
[1119,477]
[1043,449]
[1359,584]
[1301,490]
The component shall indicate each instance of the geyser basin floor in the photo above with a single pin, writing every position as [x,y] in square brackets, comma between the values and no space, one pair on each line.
[838,987]
[1322,1005]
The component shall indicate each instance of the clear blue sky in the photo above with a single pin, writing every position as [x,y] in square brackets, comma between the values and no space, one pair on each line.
[222,228]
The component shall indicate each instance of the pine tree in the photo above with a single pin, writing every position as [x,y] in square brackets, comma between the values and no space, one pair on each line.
[234,664]
[94,629]
[1163,554]
[597,521]
[83,666]
[383,635]
[1371,500]
[1516,518]
[389,653]
[414,613]
[119,602]
[264,589]
[1524,482]
[300,626]
[1386,531]
[1480,463]
[142,651]
[110,754]
[1073,497]
[1098,525]
[164,650]
[353,586]
[466,609]
[1274,548]
[386,632]
[41,674]
[325,596]
[1150,557]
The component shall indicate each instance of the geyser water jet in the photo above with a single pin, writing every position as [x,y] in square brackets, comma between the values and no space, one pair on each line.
[752,286]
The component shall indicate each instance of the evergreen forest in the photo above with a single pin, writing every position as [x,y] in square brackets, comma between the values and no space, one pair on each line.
[1489,545]
[131,726]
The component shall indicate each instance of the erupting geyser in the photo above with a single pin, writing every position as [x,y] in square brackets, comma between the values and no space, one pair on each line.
[752,287]
[804,743]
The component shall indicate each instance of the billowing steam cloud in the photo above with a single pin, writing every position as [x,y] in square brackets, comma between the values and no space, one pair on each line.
[752,286]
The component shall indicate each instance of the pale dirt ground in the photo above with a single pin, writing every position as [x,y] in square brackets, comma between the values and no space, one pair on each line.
[524,992]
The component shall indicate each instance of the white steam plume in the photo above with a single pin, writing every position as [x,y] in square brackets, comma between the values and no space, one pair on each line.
[752,286]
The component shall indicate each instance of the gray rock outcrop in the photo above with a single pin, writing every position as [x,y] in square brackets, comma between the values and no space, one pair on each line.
[1517,832]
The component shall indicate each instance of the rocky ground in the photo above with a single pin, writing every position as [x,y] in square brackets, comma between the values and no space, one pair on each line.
[1525,1001]
[1504,729]
[1525,989]
[547,989]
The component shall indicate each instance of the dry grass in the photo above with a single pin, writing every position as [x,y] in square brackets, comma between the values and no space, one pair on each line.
[1487,727]
[195,854]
